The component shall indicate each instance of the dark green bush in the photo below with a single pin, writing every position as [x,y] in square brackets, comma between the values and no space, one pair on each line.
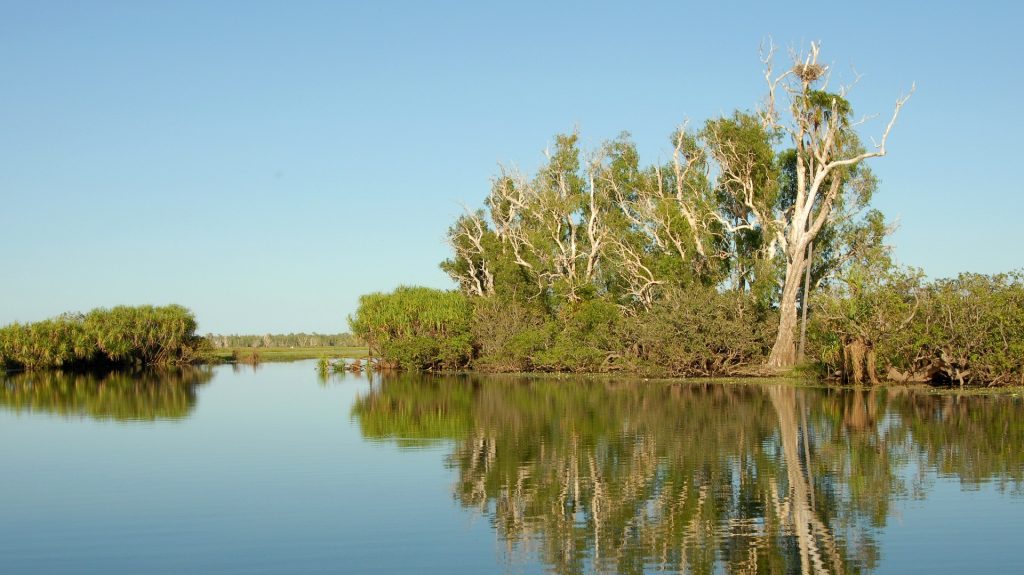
[699,332]
[967,330]
[585,338]
[508,334]
[687,332]
[857,323]
[416,328]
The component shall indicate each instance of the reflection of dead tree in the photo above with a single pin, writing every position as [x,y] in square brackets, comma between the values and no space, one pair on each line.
[799,508]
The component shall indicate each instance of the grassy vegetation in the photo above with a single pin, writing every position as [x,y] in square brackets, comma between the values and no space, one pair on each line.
[270,354]
[289,340]
[120,336]
[416,328]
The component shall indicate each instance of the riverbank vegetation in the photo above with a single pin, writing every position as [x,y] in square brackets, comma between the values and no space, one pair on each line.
[119,336]
[703,264]
[415,328]
[886,323]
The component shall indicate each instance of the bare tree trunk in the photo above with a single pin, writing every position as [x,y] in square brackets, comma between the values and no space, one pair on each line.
[817,134]
[784,351]
[803,303]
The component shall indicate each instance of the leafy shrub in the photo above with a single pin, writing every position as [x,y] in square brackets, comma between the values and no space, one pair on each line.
[508,334]
[584,338]
[967,330]
[699,331]
[856,322]
[416,328]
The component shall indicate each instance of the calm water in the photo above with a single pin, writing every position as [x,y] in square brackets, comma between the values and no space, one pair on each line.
[276,471]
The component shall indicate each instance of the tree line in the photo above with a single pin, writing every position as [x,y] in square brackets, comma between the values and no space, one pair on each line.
[702,264]
[284,340]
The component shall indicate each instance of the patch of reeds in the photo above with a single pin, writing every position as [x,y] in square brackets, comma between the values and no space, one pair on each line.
[246,356]
[415,328]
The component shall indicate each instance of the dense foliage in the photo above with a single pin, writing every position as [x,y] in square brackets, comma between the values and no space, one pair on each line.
[696,332]
[605,264]
[123,335]
[689,266]
[884,322]
[415,328]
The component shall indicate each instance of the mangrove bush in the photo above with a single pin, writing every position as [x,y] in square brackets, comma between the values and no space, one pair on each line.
[886,323]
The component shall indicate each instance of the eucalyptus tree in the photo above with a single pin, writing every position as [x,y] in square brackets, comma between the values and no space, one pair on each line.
[660,232]
[605,226]
[747,197]
[550,226]
[817,124]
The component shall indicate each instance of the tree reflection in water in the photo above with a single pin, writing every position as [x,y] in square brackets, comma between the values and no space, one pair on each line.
[121,396]
[693,477]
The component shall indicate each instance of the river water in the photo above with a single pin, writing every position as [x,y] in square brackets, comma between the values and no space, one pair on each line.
[277,470]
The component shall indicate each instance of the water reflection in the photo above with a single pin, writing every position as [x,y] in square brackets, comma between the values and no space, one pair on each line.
[119,396]
[629,477]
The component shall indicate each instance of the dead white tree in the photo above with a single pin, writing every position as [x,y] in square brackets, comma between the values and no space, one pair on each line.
[668,211]
[466,238]
[748,179]
[551,231]
[815,126]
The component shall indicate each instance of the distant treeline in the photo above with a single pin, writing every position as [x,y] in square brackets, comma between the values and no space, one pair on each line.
[282,340]
[119,336]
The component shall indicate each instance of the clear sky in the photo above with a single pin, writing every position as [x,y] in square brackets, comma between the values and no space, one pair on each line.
[265,163]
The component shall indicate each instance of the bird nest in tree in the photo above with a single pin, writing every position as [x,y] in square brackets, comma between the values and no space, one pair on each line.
[808,72]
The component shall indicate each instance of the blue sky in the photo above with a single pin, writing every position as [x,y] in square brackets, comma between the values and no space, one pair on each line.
[265,163]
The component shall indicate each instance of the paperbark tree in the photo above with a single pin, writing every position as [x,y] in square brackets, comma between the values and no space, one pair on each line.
[659,228]
[551,227]
[817,124]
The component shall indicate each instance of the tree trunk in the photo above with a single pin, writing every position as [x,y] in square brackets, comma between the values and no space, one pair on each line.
[856,352]
[803,303]
[872,366]
[784,351]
